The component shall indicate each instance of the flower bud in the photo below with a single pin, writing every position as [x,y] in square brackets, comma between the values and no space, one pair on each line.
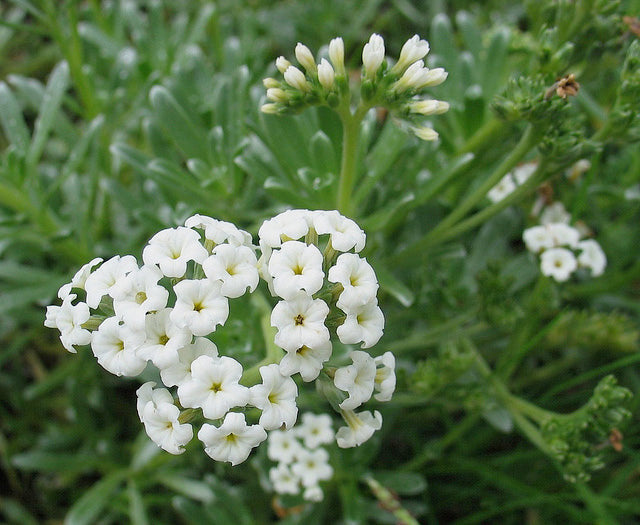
[425,133]
[413,49]
[270,83]
[373,55]
[296,79]
[282,64]
[336,55]
[429,107]
[270,109]
[305,57]
[326,74]
[277,95]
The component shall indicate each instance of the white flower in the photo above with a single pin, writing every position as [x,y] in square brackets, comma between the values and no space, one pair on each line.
[356,379]
[163,339]
[305,57]
[313,493]
[373,55]
[425,133]
[276,397]
[558,263]
[296,79]
[360,427]
[326,74]
[555,212]
[294,267]
[163,427]
[538,238]
[180,371]
[564,235]
[200,306]
[300,322]
[282,64]
[79,279]
[288,225]
[315,430]
[101,282]
[68,319]
[592,257]
[305,360]
[336,55]
[283,480]
[412,50]
[115,345]
[233,440]
[219,232]
[214,386]
[235,266]
[312,466]
[172,248]
[363,324]
[429,107]
[356,277]
[345,233]
[505,187]
[522,172]
[385,382]
[137,294]
[283,446]
[147,394]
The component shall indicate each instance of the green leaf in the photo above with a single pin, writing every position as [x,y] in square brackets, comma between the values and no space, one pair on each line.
[192,488]
[402,483]
[51,102]
[495,62]
[15,513]
[39,461]
[85,510]
[394,287]
[323,153]
[137,510]
[12,120]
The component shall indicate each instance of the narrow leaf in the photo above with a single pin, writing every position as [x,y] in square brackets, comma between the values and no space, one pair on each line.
[12,120]
[86,509]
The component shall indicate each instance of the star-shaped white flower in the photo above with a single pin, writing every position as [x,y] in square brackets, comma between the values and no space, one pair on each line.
[115,346]
[137,294]
[102,281]
[345,233]
[219,231]
[558,263]
[294,267]
[171,249]
[315,430]
[214,386]
[163,339]
[68,318]
[283,446]
[235,266]
[306,360]
[276,397]
[356,277]
[385,382]
[283,480]
[300,322]
[180,371]
[200,306]
[312,466]
[363,324]
[356,379]
[360,427]
[163,427]
[592,257]
[233,440]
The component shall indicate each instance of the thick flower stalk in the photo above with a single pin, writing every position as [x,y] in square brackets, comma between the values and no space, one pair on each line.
[167,312]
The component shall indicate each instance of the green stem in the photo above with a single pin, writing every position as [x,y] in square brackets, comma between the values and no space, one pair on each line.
[488,132]
[348,169]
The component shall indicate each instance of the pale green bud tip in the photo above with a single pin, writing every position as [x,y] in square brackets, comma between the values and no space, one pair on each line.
[277,95]
[270,109]
[296,79]
[429,107]
[282,64]
[326,75]
[336,54]
[270,83]
[305,57]
[373,55]
[425,133]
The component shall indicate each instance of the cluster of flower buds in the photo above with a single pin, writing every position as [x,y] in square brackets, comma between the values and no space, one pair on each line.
[557,243]
[302,461]
[167,312]
[511,181]
[399,87]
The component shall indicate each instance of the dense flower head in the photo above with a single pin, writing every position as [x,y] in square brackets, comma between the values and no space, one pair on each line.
[399,88]
[167,313]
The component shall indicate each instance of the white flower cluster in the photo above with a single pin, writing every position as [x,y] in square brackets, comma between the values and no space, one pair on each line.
[398,88]
[560,248]
[511,181]
[302,461]
[167,312]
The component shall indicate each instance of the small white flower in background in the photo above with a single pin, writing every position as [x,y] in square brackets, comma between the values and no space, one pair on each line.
[313,493]
[276,397]
[592,257]
[180,371]
[284,481]
[315,430]
[413,49]
[115,346]
[79,279]
[360,427]
[294,267]
[356,379]
[163,339]
[68,319]
[233,440]
[564,235]
[163,427]
[522,172]
[214,386]
[312,466]
[171,249]
[505,187]
[373,55]
[235,266]
[345,233]
[101,282]
[200,306]
[356,277]
[363,324]
[283,446]
[558,263]
[555,213]
[300,322]
[385,381]
[306,360]
[538,238]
